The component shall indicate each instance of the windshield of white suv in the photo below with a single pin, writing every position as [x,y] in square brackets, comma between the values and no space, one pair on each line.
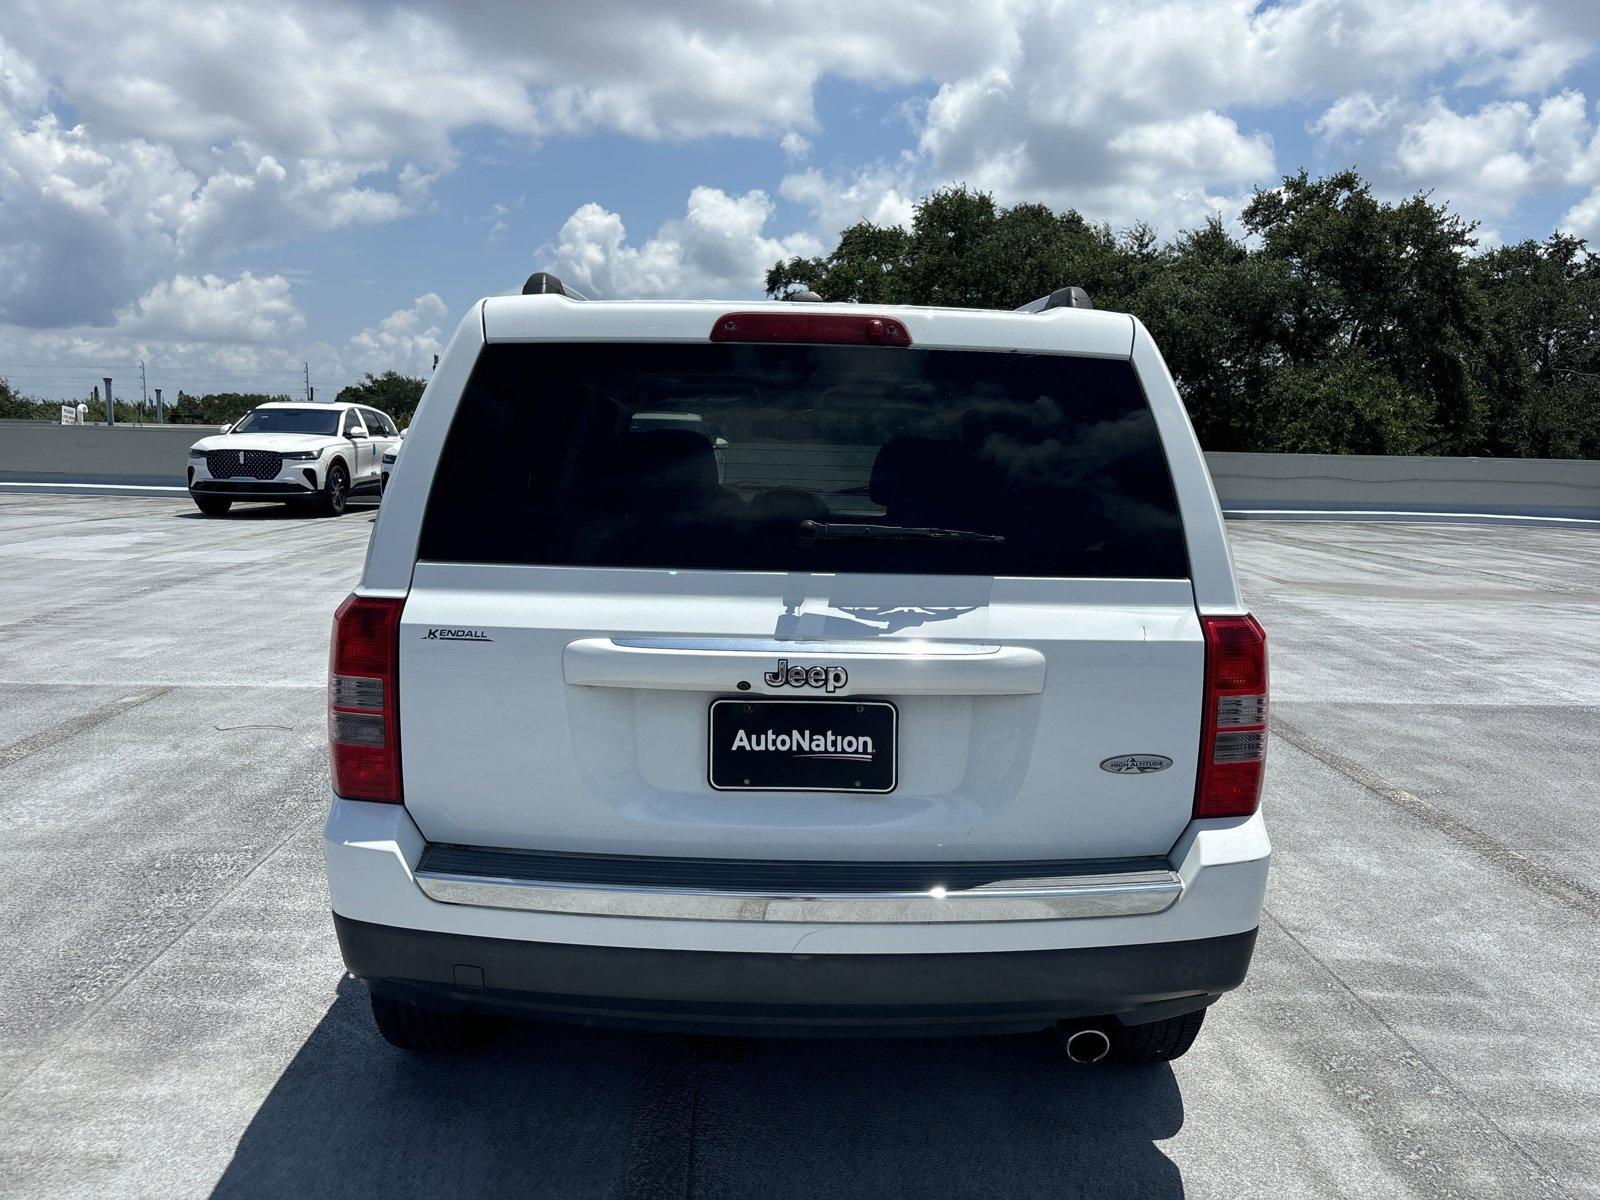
[805,458]
[290,420]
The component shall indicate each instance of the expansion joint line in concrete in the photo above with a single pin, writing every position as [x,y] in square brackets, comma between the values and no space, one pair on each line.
[1565,891]
[17,751]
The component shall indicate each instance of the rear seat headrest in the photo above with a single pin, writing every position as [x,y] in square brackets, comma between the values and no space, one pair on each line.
[675,461]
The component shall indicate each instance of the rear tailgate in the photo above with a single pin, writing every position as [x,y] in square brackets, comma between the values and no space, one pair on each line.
[576,717]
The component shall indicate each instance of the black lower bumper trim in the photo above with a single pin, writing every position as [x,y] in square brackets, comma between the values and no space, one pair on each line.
[713,991]
[270,489]
[779,877]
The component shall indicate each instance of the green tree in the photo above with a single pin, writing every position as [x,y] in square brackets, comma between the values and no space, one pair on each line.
[1338,322]
[1540,368]
[391,392]
[14,406]
[1374,292]
[961,250]
[214,408]
[1210,304]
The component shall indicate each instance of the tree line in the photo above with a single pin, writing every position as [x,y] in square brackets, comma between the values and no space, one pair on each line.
[390,392]
[1336,322]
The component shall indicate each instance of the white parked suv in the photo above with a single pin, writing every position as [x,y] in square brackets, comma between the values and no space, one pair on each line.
[935,709]
[314,456]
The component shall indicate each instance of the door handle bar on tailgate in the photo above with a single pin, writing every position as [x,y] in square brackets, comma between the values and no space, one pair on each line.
[904,667]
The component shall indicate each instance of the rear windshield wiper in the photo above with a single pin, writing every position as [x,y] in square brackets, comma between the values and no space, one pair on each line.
[833,531]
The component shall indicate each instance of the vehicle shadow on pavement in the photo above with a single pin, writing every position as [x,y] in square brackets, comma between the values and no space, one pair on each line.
[551,1110]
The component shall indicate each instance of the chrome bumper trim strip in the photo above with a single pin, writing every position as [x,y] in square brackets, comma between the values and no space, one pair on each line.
[1138,893]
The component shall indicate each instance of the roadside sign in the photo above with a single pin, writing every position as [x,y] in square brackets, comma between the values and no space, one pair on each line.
[69,414]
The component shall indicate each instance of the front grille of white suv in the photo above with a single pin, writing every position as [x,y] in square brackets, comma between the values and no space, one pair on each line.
[256,464]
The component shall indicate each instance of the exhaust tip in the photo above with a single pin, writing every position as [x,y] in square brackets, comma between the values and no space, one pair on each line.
[1087,1045]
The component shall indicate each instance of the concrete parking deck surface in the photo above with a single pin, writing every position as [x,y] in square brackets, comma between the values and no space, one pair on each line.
[1421,1018]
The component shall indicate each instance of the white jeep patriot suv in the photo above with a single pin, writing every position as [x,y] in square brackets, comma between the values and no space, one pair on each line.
[925,701]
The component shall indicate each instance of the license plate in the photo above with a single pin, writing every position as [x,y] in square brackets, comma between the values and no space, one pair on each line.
[803,745]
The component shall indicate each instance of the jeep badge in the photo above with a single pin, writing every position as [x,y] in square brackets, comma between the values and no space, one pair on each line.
[829,679]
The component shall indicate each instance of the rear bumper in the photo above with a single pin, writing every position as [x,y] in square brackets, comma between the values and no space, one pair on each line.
[825,994]
[375,857]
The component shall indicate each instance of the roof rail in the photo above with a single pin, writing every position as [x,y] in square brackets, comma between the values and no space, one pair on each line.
[1067,297]
[542,283]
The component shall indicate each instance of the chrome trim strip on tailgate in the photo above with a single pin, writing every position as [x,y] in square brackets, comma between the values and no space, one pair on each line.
[900,667]
[896,647]
[1122,894]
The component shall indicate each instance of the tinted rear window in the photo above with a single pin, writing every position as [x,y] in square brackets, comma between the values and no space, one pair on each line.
[712,455]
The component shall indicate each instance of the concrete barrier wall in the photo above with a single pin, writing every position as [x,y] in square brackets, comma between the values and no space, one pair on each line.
[1550,487]
[32,451]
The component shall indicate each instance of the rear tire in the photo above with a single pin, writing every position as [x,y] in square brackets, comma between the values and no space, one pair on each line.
[335,491]
[1156,1042]
[212,506]
[426,1030]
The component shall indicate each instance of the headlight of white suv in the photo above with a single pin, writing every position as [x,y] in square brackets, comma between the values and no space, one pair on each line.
[196,453]
[301,455]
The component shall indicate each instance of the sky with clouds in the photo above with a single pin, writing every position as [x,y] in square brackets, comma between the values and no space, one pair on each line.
[229,191]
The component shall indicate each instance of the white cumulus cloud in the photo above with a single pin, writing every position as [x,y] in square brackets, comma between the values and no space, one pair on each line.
[883,194]
[405,341]
[196,132]
[1486,160]
[208,308]
[719,247]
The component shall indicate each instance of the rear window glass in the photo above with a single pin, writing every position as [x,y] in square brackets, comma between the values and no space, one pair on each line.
[803,458]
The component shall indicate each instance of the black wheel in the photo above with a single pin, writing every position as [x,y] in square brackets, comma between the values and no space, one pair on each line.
[426,1030]
[1157,1042]
[212,506]
[335,491]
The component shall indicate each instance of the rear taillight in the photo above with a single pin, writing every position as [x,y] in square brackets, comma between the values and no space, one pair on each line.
[848,329]
[363,705]
[1233,744]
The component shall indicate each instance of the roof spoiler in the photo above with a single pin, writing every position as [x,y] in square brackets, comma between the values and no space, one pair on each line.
[542,283]
[1067,297]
